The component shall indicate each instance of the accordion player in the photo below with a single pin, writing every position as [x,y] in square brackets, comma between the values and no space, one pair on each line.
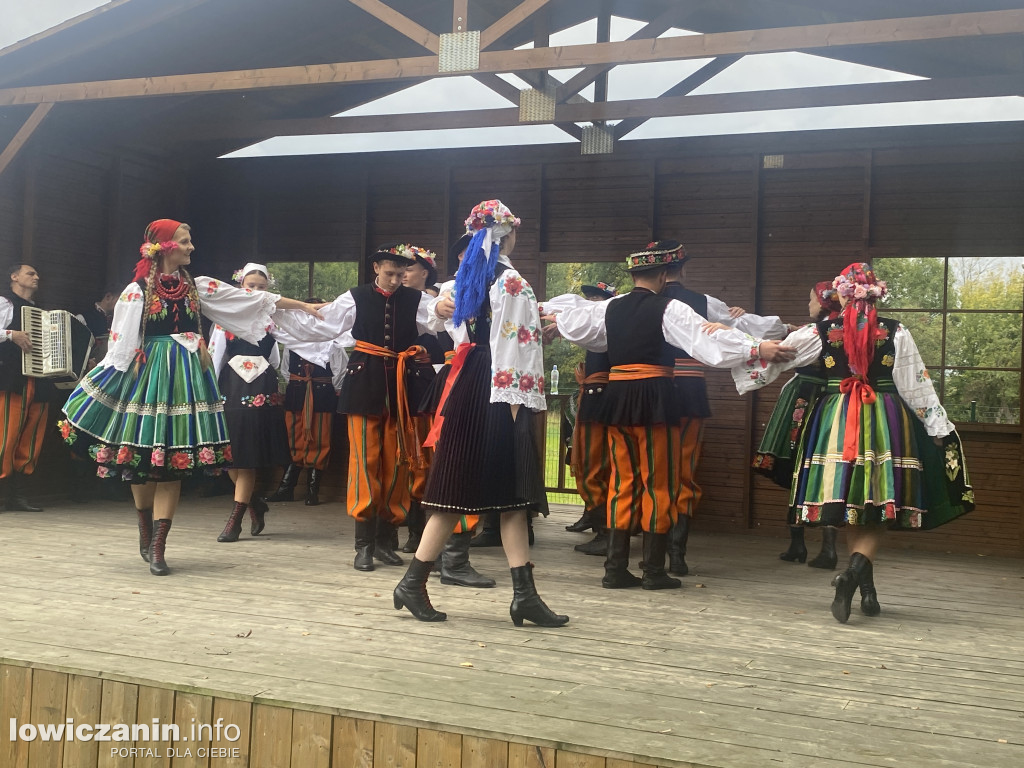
[61,345]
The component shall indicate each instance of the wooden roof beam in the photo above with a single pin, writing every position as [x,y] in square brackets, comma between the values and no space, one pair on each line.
[400,23]
[509,21]
[822,36]
[683,87]
[23,135]
[662,106]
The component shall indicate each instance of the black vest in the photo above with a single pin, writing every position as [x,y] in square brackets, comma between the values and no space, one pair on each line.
[370,387]
[11,377]
[633,327]
[691,391]
[836,365]
[325,400]
[593,362]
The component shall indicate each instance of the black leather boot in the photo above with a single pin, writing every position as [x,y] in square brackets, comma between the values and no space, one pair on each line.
[385,544]
[145,531]
[313,476]
[526,603]
[490,536]
[846,584]
[257,510]
[455,566]
[365,532]
[655,546]
[616,564]
[797,549]
[157,565]
[868,596]
[587,521]
[286,490]
[415,520]
[16,501]
[411,593]
[677,538]
[597,545]
[233,526]
[827,558]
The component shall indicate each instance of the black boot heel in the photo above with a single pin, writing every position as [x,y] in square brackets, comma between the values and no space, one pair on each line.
[257,509]
[846,584]
[526,603]
[233,526]
[797,551]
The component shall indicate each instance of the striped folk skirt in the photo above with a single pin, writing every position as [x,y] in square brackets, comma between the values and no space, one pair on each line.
[883,484]
[776,453]
[162,422]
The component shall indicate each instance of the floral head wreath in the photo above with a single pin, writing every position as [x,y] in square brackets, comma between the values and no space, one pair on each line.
[857,282]
[492,214]
[660,253]
[159,239]
[406,251]
[239,274]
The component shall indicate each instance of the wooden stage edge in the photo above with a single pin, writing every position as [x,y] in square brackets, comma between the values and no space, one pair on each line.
[279,637]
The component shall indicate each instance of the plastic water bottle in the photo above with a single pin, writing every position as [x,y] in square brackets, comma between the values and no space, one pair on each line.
[554,379]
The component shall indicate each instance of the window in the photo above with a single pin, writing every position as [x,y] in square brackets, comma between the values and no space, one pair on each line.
[321,279]
[965,314]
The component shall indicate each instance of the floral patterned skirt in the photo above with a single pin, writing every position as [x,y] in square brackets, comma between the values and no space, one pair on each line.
[162,422]
[254,414]
[778,447]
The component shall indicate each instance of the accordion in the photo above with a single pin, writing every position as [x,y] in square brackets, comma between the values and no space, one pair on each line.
[61,345]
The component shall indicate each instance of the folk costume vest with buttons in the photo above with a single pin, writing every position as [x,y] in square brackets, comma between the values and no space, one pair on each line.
[593,362]
[11,377]
[386,321]
[302,374]
[691,391]
[633,327]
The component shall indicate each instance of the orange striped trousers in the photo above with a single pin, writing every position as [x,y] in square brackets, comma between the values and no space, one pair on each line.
[691,439]
[643,479]
[377,482]
[23,430]
[590,438]
[312,449]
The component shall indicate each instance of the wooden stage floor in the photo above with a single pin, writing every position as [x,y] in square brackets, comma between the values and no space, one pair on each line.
[742,668]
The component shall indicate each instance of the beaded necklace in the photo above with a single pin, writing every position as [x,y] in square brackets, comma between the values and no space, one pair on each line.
[176,293]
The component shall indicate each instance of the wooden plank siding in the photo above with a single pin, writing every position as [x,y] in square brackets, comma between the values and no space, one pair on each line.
[759,236]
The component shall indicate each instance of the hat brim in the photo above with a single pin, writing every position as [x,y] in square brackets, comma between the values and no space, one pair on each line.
[385,256]
[646,267]
[593,290]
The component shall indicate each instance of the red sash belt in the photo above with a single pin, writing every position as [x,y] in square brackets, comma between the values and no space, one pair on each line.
[409,449]
[860,392]
[639,371]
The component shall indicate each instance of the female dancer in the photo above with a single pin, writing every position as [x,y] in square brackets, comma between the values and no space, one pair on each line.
[484,456]
[867,462]
[247,375]
[782,436]
[150,412]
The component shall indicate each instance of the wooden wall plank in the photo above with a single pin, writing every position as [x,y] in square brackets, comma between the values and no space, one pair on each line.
[311,739]
[438,749]
[530,756]
[394,746]
[271,737]
[478,752]
[566,759]
[15,702]
[352,745]
[155,704]
[191,711]
[239,714]
[120,706]
[49,704]
[85,695]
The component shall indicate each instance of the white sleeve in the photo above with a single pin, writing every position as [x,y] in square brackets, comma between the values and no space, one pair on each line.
[437,324]
[6,315]
[584,325]
[424,311]
[915,386]
[243,312]
[763,327]
[517,357]
[339,363]
[218,348]
[316,352]
[339,317]
[722,349]
[125,329]
[563,302]
[757,373]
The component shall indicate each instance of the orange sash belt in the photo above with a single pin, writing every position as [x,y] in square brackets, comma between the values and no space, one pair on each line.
[449,356]
[860,392]
[639,371]
[686,366]
[409,449]
[307,401]
[458,360]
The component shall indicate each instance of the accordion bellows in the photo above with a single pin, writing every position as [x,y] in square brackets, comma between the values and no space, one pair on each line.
[61,345]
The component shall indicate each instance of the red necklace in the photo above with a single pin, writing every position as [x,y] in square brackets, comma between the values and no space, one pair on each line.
[175,293]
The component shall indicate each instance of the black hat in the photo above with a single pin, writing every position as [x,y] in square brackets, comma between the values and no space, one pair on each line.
[426,260]
[599,291]
[661,253]
[457,248]
[396,252]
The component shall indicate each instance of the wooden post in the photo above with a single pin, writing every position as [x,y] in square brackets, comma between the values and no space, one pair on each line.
[460,16]
[750,403]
